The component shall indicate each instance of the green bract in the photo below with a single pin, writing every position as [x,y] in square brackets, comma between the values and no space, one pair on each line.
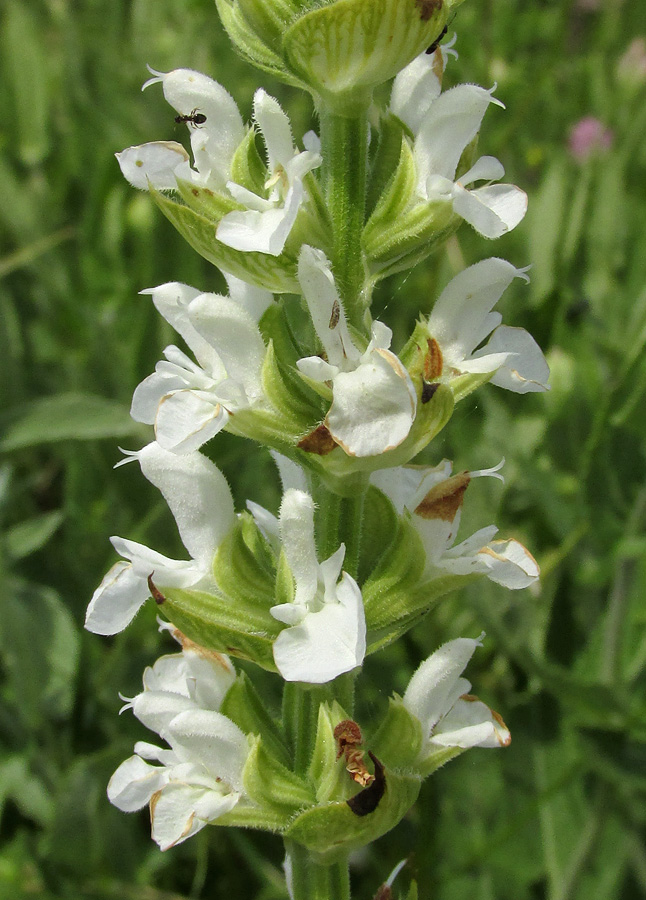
[338,50]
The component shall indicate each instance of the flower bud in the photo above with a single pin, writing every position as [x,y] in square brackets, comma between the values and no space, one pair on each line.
[339,50]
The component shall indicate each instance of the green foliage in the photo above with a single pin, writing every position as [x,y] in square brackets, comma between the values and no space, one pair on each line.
[560,813]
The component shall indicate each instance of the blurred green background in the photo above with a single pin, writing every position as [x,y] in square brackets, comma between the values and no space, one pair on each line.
[560,814]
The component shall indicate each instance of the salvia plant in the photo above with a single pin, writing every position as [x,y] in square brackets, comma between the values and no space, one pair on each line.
[364,543]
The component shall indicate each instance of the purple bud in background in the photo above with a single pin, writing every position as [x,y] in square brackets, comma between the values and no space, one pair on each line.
[589,137]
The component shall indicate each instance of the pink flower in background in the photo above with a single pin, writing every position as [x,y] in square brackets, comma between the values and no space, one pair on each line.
[588,137]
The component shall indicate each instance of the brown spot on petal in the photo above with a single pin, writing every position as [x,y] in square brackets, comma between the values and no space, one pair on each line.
[155,593]
[367,801]
[433,361]
[428,7]
[335,315]
[428,390]
[445,499]
[507,740]
[319,441]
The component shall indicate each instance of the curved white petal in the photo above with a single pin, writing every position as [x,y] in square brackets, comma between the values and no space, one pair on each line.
[487,168]
[181,810]
[406,486]
[373,406]
[187,419]
[159,164]
[263,232]
[134,783]
[470,723]
[116,601]
[431,691]
[527,371]
[215,141]
[157,709]
[326,643]
[297,534]
[148,395]
[276,130]
[198,496]
[492,210]
[316,368]
[171,301]
[457,321]
[254,299]
[235,337]
[325,307]
[510,564]
[451,123]
[209,738]
[415,89]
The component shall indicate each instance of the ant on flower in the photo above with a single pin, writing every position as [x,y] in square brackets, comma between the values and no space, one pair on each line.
[195,118]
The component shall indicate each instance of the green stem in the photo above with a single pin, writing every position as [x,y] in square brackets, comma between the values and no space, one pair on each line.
[344,145]
[312,881]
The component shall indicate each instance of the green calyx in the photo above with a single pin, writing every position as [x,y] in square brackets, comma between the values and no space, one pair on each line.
[339,50]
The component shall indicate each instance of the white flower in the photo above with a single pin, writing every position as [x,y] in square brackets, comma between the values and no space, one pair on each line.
[187,403]
[434,499]
[200,500]
[443,125]
[439,698]
[327,633]
[200,777]
[463,317]
[265,223]
[373,398]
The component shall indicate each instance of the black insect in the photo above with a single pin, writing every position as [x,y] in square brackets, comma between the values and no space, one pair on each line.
[194,117]
[436,43]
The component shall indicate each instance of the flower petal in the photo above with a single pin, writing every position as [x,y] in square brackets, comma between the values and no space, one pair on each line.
[373,407]
[276,130]
[326,643]
[492,210]
[430,692]
[116,601]
[414,90]
[527,370]
[470,723]
[187,419]
[263,232]
[198,496]
[235,337]
[209,738]
[254,299]
[458,319]
[134,783]
[510,564]
[181,810]
[297,534]
[451,123]
[325,307]
[171,301]
[159,164]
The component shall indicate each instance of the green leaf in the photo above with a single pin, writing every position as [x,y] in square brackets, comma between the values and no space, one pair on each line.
[65,417]
[244,706]
[27,62]
[243,571]
[39,643]
[32,534]
[545,218]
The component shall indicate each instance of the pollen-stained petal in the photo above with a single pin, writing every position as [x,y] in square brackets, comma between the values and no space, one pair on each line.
[158,164]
